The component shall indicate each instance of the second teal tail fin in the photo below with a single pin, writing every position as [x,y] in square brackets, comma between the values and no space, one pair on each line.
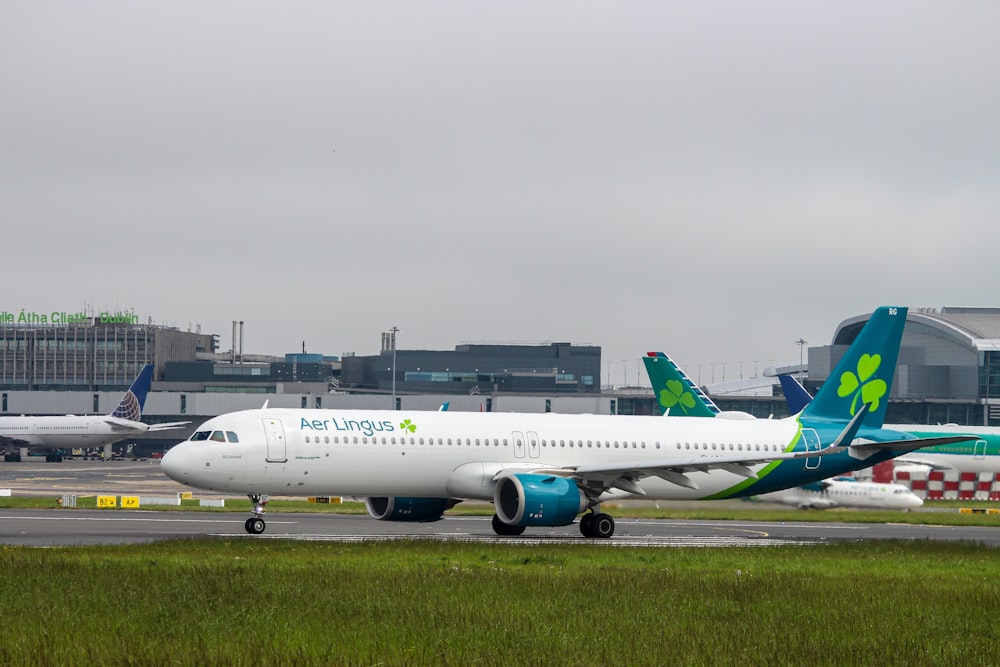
[675,391]
[864,374]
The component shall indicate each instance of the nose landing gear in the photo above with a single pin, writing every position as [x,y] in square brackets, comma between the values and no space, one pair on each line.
[255,525]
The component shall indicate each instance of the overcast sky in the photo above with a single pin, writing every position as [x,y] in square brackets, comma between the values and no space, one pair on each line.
[712,179]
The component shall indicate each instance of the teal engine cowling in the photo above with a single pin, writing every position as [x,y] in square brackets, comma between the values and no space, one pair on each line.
[408,509]
[530,499]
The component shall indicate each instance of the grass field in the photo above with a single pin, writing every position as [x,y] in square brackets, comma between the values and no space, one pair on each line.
[244,602]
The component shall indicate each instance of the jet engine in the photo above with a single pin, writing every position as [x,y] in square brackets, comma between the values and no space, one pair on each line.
[408,509]
[530,499]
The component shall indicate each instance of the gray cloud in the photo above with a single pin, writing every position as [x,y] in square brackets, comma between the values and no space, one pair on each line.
[712,179]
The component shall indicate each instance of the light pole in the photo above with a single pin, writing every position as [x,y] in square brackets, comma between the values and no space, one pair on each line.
[392,342]
[800,342]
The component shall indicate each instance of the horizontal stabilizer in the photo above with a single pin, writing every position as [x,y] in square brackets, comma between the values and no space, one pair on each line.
[166,427]
[918,443]
[119,425]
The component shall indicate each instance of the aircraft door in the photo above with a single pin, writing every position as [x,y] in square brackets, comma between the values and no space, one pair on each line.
[518,439]
[979,450]
[275,433]
[533,445]
[813,444]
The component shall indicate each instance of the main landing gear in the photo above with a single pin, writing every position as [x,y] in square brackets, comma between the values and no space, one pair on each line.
[505,529]
[255,525]
[592,524]
[597,524]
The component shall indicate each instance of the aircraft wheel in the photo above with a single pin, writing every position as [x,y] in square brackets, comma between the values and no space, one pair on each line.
[254,525]
[603,526]
[501,528]
[587,524]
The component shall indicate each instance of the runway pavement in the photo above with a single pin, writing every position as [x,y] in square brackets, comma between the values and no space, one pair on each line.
[89,478]
[64,527]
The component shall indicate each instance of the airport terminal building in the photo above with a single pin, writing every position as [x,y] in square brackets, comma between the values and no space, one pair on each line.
[948,372]
[89,353]
[948,369]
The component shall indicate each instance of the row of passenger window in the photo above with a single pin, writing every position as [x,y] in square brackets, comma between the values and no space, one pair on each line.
[497,442]
[738,447]
[365,440]
[230,436]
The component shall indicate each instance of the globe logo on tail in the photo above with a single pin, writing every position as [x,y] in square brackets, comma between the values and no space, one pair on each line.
[128,408]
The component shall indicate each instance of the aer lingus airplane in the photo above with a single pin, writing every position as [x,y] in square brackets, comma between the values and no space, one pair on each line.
[846,492]
[678,395]
[980,453]
[53,434]
[546,469]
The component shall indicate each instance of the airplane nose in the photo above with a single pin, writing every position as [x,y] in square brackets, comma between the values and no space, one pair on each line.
[174,463]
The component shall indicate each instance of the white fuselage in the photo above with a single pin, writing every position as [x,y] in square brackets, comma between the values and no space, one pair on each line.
[67,431]
[846,493]
[456,454]
[977,456]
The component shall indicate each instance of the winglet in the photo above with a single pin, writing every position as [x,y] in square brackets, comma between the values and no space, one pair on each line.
[130,407]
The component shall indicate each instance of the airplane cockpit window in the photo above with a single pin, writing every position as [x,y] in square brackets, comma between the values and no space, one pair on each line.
[200,435]
[232,436]
[218,436]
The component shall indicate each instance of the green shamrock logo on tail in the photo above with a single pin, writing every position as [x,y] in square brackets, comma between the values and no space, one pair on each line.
[862,385]
[674,394]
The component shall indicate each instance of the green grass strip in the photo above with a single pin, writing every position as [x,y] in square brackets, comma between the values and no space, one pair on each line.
[254,602]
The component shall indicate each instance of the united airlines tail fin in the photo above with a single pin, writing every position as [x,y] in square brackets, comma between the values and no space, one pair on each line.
[676,393]
[796,395]
[130,407]
[863,377]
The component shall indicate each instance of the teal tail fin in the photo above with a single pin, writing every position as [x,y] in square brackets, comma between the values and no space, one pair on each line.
[864,374]
[675,391]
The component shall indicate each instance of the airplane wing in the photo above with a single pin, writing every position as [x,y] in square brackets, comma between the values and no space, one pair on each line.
[626,476]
